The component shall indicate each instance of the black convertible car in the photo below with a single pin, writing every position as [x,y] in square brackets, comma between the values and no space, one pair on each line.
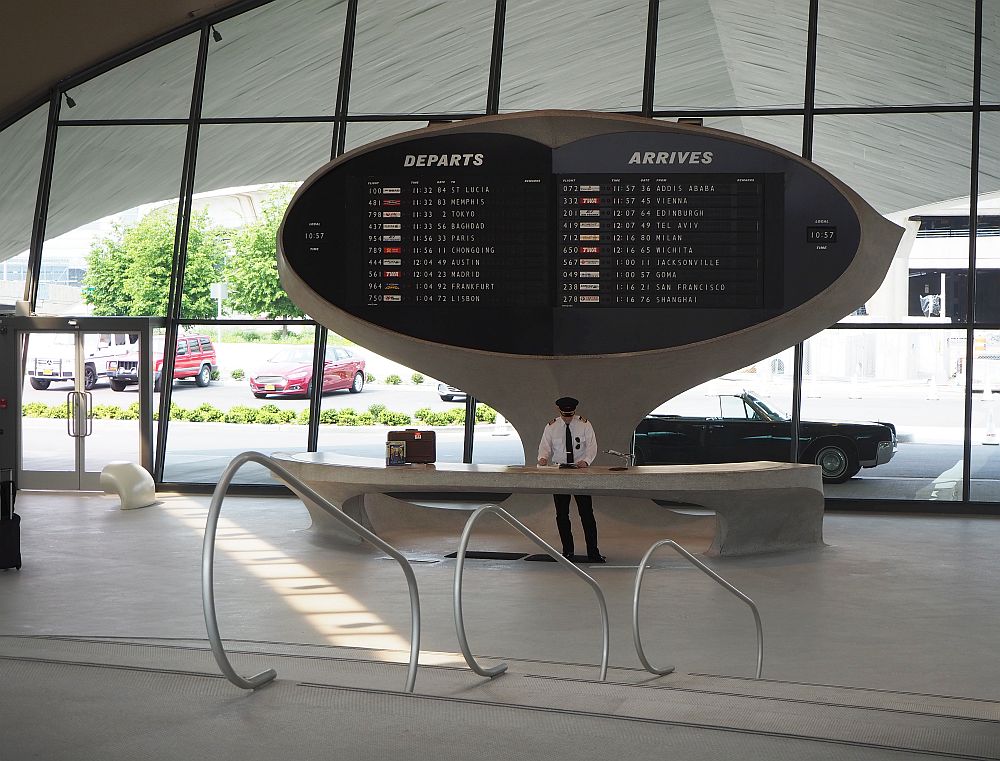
[748,429]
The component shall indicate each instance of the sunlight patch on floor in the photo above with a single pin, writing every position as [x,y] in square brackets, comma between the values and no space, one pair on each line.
[340,618]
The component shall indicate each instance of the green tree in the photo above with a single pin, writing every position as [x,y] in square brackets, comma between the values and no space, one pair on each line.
[252,269]
[128,271]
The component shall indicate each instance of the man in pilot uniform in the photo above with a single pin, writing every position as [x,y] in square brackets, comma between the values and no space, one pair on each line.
[570,440]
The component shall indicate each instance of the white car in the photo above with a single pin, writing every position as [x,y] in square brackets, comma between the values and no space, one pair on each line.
[50,358]
[450,393]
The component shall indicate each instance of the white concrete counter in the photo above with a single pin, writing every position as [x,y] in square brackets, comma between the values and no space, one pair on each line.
[759,506]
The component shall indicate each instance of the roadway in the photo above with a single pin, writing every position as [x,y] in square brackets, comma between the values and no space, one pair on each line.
[927,465]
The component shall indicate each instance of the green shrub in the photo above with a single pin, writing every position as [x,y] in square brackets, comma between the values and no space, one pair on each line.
[393,418]
[365,418]
[178,413]
[131,412]
[417,379]
[211,414]
[393,380]
[57,411]
[216,375]
[377,410]
[422,413]
[35,409]
[369,378]
[238,374]
[269,407]
[347,417]
[270,414]
[241,414]
[250,336]
[435,418]
[107,412]
[195,416]
[328,416]
[303,417]
[485,414]
[268,417]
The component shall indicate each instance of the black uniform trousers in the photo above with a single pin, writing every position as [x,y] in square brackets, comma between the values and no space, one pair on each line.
[585,505]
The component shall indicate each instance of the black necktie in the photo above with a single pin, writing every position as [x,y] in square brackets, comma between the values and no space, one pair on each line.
[569,445]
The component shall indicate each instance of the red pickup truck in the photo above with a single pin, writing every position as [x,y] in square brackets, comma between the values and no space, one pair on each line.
[195,359]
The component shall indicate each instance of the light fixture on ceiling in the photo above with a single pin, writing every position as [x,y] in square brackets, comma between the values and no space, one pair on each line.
[69,101]
[215,35]
[696,120]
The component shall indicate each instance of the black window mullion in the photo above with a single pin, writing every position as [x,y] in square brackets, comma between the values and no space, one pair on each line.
[34,270]
[970,315]
[496,59]
[649,71]
[180,253]
[339,141]
[808,118]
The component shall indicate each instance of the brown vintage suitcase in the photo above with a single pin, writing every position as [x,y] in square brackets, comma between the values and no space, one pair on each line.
[421,446]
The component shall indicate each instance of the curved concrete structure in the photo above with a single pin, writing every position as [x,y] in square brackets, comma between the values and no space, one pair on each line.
[759,506]
[616,390]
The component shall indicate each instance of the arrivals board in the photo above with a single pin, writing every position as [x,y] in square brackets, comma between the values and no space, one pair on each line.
[502,242]
[662,241]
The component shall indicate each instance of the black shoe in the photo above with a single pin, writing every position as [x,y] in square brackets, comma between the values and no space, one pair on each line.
[568,556]
[596,559]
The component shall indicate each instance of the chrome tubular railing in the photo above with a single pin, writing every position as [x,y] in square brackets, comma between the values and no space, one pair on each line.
[528,533]
[305,492]
[708,572]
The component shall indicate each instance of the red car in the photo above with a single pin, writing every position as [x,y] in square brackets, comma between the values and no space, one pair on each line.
[195,360]
[289,372]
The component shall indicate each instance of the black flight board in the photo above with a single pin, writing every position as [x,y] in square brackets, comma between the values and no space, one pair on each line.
[660,240]
[454,242]
[627,240]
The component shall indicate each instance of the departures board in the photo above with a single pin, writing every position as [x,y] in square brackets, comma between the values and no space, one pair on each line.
[612,243]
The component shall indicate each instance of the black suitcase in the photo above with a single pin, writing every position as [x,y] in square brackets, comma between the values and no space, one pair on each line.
[10,525]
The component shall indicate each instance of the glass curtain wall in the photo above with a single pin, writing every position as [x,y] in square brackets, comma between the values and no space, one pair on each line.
[226,117]
[21,146]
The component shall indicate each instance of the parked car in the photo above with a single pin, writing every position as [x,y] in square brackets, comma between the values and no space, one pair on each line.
[450,393]
[749,429]
[289,372]
[194,360]
[51,357]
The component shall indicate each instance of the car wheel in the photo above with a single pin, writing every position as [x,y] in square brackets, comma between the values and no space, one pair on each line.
[117,385]
[837,462]
[89,377]
[204,376]
[259,395]
[359,383]
[39,384]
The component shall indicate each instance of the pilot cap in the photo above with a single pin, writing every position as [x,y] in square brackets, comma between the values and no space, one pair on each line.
[566,403]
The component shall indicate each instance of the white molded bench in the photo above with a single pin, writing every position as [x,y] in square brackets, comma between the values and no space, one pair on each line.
[131,482]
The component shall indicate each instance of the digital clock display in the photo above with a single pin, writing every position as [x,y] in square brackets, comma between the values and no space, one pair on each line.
[821,234]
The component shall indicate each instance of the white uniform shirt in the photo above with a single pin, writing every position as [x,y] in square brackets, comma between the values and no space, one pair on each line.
[553,444]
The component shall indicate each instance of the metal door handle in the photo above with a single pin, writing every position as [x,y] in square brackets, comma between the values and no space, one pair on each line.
[79,407]
[88,407]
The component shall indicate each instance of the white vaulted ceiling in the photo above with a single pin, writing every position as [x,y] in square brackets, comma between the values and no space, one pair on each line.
[426,56]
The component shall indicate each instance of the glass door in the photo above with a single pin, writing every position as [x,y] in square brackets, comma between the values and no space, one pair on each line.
[110,431]
[48,410]
[85,402]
